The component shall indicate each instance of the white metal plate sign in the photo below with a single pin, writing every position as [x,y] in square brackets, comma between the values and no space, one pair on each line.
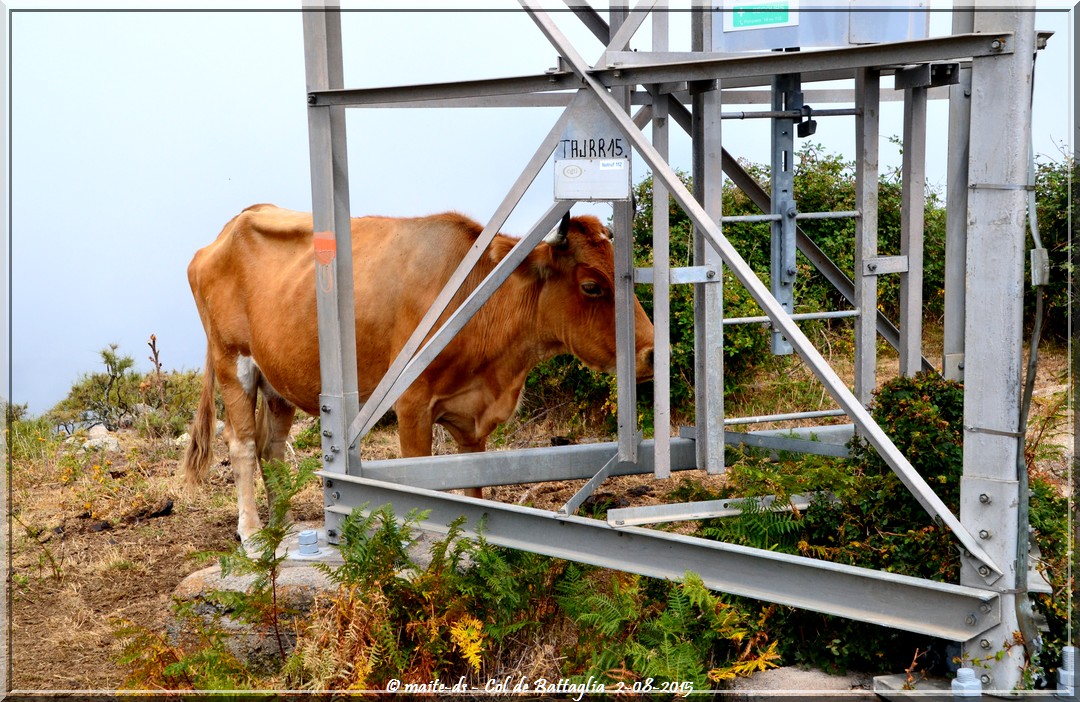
[601,179]
[592,160]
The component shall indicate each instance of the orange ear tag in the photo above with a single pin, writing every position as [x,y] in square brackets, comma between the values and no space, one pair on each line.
[325,247]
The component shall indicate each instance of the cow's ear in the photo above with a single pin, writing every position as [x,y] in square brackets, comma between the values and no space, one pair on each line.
[538,263]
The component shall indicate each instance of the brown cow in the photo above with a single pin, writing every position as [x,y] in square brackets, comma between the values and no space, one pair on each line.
[255,290]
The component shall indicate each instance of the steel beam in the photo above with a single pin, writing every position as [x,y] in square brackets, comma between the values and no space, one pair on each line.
[913,202]
[832,382]
[339,399]
[786,95]
[521,466]
[996,249]
[867,88]
[625,338]
[952,362]
[951,612]
[808,62]
[705,128]
[661,276]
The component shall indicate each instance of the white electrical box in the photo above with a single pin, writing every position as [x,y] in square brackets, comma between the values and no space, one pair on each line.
[592,179]
[769,25]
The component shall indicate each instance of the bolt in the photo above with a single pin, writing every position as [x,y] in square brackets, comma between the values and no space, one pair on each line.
[334,449]
[335,495]
[996,44]
[791,271]
[331,533]
[327,433]
[971,620]
[871,267]
[984,571]
[985,679]
[329,483]
[985,499]
[311,99]
[984,534]
[984,643]
[325,409]
[985,607]
[710,274]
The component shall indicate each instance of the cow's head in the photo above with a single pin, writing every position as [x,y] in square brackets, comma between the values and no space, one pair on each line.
[576,268]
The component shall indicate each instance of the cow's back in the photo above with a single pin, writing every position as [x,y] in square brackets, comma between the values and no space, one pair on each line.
[255,289]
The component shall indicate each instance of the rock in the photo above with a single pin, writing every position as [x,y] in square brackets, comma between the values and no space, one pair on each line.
[161,508]
[109,444]
[98,431]
[298,584]
[792,679]
[182,440]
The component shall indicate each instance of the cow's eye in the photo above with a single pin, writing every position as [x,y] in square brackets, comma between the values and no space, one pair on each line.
[591,289]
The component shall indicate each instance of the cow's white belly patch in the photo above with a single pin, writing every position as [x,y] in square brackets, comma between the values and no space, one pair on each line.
[247,372]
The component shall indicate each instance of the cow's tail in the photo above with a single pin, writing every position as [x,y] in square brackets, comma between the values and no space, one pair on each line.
[199,450]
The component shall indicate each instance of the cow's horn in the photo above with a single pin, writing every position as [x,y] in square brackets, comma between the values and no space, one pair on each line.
[557,237]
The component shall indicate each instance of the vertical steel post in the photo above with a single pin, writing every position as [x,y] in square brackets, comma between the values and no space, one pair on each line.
[708,182]
[913,201]
[867,94]
[626,358]
[996,245]
[339,399]
[785,96]
[661,274]
[952,362]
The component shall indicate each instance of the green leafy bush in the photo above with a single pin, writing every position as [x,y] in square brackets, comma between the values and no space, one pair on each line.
[874,522]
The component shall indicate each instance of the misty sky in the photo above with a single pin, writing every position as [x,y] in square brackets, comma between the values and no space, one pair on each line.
[135,136]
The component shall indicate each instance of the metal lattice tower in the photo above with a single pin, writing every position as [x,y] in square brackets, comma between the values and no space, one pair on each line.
[989,57]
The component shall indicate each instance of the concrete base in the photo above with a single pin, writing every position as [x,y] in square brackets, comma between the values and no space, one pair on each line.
[896,687]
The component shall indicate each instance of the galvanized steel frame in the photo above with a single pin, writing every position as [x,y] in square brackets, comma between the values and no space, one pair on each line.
[744,571]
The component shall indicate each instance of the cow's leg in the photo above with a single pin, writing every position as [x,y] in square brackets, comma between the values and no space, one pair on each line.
[467,442]
[275,421]
[476,447]
[238,391]
[414,424]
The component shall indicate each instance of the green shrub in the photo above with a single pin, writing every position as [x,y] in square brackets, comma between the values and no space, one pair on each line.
[874,522]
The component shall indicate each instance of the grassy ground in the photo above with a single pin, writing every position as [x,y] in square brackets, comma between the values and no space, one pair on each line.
[99,538]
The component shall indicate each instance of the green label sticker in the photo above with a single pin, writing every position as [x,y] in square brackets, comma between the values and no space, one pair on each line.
[761,15]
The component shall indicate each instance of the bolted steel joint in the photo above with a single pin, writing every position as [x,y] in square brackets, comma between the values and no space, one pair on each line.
[984,570]
[985,534]
[984,643]
[985,499]
[971,620]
